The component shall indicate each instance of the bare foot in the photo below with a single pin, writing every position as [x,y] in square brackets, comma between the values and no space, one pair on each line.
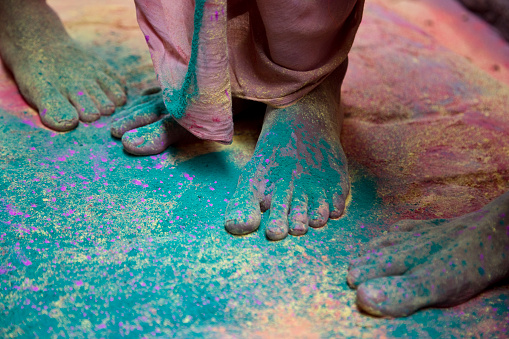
[65,83]
[433,263]
[298,169]
[145,127]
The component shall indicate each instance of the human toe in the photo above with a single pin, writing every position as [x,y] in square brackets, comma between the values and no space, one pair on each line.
[112,89]
[153,138]
[56,112]
[298,216]
[277,227]
[138,116]
[319,215]
[395,296]
[382,267]
[85,106]
[243,214]
[105,105]
[338,205]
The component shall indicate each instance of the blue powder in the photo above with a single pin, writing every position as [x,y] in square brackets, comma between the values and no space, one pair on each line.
[177,100]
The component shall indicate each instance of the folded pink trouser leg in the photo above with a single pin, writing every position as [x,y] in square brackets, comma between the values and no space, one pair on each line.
[302,35]
[269,51]
[188,45]
[281,50]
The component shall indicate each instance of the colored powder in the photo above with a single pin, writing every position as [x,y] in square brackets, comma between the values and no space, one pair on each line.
[127,260]
[177,100]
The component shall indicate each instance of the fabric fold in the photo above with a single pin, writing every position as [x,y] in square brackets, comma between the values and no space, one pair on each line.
[189,50]
[202,59]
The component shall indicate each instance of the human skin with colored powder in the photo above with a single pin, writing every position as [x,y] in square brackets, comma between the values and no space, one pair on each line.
[441,262]
[298,173]
[62,81]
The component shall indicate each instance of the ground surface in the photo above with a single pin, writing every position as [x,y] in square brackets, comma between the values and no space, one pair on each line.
[95,242]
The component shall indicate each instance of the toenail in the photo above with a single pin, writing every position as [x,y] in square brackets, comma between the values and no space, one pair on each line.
[335,214]
[137,141]
[354,274]
[376,296]
[298,229]
[275,231]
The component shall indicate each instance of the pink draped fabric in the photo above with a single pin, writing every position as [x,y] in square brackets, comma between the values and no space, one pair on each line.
[233,58]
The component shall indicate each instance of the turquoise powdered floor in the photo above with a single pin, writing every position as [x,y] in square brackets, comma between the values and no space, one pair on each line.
[94,245]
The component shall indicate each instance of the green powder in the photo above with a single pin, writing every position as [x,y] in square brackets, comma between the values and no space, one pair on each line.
[177,100]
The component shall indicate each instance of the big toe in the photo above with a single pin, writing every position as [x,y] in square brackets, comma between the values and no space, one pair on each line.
[153,138]
[57,113]
[243,214]
[394,296]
